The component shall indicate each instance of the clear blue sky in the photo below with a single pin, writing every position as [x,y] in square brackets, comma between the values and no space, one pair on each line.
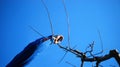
[85,17]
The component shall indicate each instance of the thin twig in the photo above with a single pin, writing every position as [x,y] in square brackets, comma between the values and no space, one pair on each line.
[68,23]
[48,17]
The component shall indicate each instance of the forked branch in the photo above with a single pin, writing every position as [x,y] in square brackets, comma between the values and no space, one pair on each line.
[98,59]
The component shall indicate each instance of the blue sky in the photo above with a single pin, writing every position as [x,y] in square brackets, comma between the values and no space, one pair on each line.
[86,16]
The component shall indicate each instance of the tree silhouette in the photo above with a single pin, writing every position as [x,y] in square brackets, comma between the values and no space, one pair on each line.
[92,57]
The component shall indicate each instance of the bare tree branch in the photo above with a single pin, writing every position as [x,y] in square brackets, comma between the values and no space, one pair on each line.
[98,59]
